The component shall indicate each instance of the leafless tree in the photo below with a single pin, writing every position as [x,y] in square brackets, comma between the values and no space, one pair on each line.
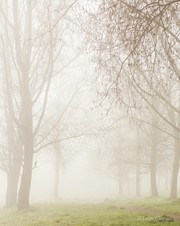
[32,42]
[136,45]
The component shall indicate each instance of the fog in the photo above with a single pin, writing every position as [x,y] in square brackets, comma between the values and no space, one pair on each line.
[79,182]
[89,110]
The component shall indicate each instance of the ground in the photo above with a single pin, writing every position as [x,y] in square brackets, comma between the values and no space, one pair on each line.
[139,212]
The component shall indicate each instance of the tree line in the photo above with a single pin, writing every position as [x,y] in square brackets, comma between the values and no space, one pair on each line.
[135,47]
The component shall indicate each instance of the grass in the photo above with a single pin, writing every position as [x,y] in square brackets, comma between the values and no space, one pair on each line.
[106,214]
[161,204]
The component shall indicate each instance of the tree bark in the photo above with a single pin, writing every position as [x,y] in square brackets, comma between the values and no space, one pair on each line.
[12,184]
[175,170]
[23,56]
[14,146]
[24,191]
[28,141]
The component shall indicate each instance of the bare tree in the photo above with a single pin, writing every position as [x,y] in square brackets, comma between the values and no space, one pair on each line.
[136,45]
[34,44]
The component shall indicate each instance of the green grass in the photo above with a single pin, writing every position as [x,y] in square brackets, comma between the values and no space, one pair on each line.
[166,205]
[107,214]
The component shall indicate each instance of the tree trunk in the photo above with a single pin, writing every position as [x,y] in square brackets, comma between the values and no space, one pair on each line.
[175,170]
[166,179]
[14,154]
[56,183]
[138,176]
[12,184]
[23,58]
[120,182]
[154,192]
[24,191]
[28,141]
[57,162]
[138,184]
[154,146]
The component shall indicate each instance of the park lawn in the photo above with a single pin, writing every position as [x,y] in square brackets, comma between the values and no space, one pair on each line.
[56,214]
[160,204]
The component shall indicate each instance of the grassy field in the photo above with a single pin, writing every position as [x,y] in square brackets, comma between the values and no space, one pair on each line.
[166,205]
[106,214]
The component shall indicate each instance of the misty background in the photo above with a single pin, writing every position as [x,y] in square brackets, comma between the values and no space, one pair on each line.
[90,101]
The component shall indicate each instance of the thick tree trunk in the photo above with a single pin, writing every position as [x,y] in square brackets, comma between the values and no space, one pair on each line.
[12,184]
[24,191]
[175,170]
[28,141]
[25,185]
[14,159]
[23,57]
[14,151]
